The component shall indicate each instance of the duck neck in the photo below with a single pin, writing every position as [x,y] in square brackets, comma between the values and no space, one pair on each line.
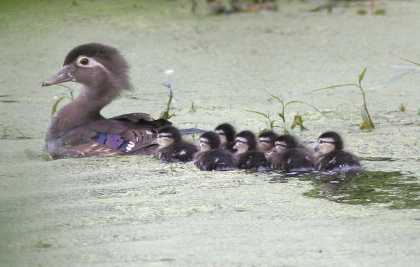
[84,109]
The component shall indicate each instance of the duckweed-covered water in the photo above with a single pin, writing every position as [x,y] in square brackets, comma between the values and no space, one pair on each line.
[134,211]
[392,189]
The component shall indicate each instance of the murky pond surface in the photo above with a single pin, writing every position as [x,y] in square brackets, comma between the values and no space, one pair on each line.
[131,211]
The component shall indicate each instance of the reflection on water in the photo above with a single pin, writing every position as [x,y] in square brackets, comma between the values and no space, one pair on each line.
[396,190]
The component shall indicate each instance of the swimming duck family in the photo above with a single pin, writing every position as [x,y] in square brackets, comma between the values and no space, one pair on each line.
[79,130]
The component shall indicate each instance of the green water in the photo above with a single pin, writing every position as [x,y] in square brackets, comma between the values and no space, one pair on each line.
[395,190]
[392,189]
[134,211]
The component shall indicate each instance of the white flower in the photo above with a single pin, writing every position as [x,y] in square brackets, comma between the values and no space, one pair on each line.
[169,72]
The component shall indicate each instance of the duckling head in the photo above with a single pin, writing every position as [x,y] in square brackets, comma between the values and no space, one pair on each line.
[167,136]
[284,142]
[266,141]
[226,133]
[245,141]
[328,142]
[208,141]
[97,66]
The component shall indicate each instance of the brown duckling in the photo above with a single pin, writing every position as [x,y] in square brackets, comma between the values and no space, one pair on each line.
[211,157]
[78,129]
[172,148]
[290,156]
[265,141]
[332,158]
[246,155]
[226,134]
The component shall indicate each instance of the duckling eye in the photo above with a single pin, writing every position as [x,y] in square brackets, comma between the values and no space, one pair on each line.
[84,61]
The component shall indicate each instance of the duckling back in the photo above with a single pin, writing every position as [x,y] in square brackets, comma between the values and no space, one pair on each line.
[215,160]
[339,161]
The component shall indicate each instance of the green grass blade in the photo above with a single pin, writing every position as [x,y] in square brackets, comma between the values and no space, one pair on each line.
[281,115]
[412,62]
[304,103]
[277,98]
[54,107]
[362,75]
[334,86]
[367,123]
[265,115]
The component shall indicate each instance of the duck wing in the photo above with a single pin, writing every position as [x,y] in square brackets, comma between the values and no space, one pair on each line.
[133,133]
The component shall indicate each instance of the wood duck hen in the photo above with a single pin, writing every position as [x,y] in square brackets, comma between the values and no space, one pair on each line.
[78,129]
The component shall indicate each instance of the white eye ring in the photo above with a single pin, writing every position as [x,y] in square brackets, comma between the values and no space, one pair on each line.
[83,61]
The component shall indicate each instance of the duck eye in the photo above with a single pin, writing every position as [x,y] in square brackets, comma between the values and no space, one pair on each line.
[84,61]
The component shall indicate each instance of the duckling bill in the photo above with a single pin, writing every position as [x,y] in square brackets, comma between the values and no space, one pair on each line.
[78,129]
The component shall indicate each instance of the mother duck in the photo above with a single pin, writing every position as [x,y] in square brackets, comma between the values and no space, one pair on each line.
[78,129]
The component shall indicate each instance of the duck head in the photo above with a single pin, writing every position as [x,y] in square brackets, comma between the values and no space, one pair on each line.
[266,141]
[328,142]
[96,66]
[226,133]
[245,141]
[209,141]
[284,142]
[167,136]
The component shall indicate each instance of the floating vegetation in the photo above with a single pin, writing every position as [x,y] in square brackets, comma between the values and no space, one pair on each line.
[380,12]
[298,122]
[361,12]
[331,4]
[58,99]
[411,61]
[219,7]
[402,108]
[193,107]
[12,133]
[7,100]
[367,122]
[168,113]
[393,189]
[194,6]
[42,244]
[280,119]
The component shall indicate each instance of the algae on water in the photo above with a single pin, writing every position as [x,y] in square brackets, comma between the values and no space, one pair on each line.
[393,189]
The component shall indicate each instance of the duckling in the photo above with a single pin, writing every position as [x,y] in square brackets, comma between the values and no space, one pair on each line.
[332,158]
[290,156]
[217,7]
[246,155]
[211,157]
[266,140]
[172,148]
[226,134]
[78,129]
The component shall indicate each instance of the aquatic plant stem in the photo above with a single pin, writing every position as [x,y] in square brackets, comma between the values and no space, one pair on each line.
[367,122]
[166,115]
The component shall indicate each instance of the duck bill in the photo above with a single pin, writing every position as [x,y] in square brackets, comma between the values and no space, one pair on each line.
[63,75]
